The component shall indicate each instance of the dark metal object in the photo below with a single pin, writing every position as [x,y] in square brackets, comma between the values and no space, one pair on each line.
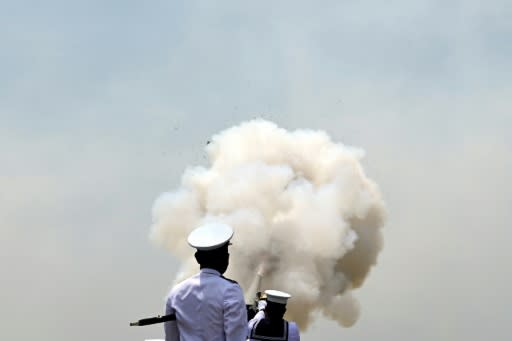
[154,320]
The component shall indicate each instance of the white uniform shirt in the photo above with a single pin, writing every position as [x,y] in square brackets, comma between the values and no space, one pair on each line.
[208,307]
[293,330]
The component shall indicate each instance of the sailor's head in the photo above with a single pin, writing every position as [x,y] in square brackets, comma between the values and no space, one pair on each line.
[211,242]
[276,304]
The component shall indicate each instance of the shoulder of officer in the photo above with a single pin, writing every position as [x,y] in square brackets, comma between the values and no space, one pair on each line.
[229,280]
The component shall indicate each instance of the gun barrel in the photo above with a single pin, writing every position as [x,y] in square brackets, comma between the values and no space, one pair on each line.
[255,285]
[154,320]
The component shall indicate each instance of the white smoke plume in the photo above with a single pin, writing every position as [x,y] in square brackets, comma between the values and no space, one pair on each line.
[304,214]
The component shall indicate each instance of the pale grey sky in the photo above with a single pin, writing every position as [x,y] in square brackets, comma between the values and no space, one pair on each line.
[104,103]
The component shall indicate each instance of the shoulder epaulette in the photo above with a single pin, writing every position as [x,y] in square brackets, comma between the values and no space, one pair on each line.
[229,280]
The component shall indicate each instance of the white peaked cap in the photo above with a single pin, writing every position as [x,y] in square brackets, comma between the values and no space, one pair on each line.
[210,236]
[277,296]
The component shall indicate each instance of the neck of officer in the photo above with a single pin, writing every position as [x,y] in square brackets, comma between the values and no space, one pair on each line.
[274,318]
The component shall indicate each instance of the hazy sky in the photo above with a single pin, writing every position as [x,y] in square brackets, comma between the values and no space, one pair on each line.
[103,104]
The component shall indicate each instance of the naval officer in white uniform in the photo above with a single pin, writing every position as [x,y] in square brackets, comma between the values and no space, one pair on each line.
[268,324]
[208,306]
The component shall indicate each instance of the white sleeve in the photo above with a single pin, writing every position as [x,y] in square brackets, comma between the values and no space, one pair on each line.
[171,327]
[293,332]
[235,314]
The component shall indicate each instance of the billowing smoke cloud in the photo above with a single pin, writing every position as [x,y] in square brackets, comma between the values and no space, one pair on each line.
[301,207]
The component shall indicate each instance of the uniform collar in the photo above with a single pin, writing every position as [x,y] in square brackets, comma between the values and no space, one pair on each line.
[210,271]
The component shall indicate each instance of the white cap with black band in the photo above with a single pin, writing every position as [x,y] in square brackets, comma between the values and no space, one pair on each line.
[277,296]
[210,236]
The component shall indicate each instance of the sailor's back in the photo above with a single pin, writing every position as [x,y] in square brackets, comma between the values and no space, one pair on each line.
[208,307]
